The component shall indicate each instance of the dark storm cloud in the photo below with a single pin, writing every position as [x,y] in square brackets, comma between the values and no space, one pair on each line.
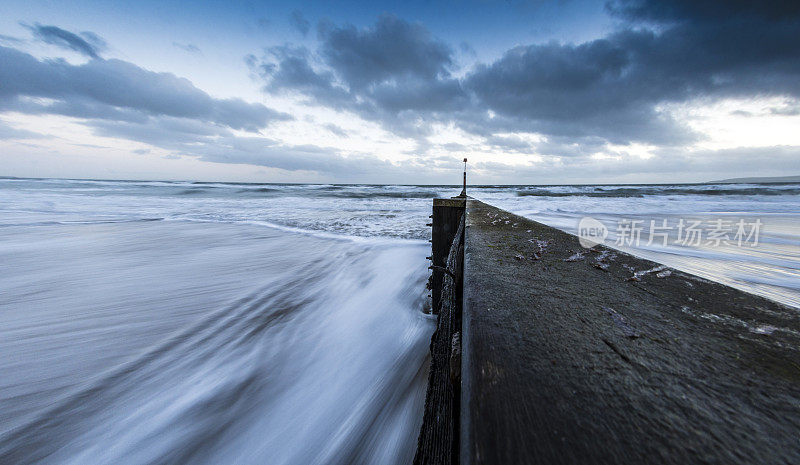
[611,89]
[702,48]
[600,88]
[116,90]
[292,70]
[702,10]
[390,67]
[85,43]
[393,73]
[299,22]
[391,50]
[613,86]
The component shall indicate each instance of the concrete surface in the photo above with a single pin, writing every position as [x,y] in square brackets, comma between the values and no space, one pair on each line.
[566,359]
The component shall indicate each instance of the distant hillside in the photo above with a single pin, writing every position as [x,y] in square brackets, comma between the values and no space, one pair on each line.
[758,180]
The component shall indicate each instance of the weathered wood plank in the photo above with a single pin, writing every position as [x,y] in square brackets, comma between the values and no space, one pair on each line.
[438,439]
[446,218]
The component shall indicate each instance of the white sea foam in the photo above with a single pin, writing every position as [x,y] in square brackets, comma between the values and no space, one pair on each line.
[147,322]
[175,342]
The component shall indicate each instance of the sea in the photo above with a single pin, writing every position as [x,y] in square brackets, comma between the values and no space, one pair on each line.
[147,322]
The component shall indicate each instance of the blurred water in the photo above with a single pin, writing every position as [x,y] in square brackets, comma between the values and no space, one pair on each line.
[176,342]
[772,269]
[163,322]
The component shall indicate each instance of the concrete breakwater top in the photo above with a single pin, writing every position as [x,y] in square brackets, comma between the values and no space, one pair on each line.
[580,356]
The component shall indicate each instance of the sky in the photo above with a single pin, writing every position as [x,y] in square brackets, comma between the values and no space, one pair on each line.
[531,92]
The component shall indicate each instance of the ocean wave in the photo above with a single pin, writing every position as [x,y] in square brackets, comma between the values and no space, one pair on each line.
[401,211]
[194,191]
[336,192]
[639,192]
[77,222]
[240,383]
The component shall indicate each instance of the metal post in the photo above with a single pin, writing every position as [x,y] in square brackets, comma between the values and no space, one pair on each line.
[464,189]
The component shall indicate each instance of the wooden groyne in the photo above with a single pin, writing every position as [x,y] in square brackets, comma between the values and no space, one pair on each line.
[546,352]
[438,440]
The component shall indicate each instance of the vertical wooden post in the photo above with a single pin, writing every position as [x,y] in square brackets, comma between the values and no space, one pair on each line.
[446,217]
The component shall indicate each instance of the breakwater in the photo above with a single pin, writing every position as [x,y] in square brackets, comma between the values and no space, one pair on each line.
[547,352]
[438,440]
